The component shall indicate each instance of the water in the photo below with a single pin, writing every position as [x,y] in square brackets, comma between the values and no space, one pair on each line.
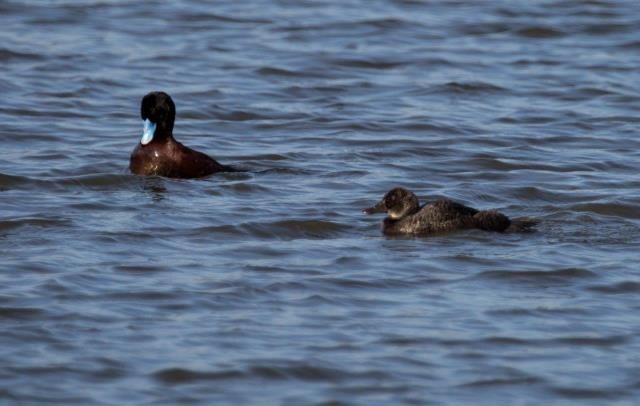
[271,287]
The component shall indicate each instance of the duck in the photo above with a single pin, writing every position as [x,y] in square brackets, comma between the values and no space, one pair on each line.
[158,153]
[405,216]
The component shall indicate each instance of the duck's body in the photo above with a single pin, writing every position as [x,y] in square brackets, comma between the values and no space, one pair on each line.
[444,216]
[158,153]
[171,159]
[405,216]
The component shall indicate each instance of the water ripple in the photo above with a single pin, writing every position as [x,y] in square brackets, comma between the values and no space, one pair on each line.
[565,275]
[618,288]
[38,222]
[19,313]
[271,371]
[282,229]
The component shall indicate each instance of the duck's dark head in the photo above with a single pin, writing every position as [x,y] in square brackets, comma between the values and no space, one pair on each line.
[159,113]
[397,203]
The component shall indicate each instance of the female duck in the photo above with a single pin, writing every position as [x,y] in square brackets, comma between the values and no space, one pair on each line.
[405,216]
[158,153]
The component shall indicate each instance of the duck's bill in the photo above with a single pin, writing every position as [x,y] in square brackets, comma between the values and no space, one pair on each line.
[378,208]
[148,130]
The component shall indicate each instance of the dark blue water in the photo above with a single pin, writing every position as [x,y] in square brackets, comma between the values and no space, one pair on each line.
[271,287]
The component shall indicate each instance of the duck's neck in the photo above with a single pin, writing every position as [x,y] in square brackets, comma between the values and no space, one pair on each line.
[163,133]
[413,210]
[388,222]
[162,137]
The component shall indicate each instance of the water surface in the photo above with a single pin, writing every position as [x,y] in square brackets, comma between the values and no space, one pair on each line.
[271,287]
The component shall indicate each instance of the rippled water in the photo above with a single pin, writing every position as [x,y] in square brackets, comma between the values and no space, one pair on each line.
[271,287]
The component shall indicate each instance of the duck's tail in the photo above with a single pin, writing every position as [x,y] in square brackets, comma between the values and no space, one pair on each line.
[522,225]
[491,220]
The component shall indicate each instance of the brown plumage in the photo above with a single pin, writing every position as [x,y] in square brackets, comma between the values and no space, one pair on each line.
[405,216]
[163,155]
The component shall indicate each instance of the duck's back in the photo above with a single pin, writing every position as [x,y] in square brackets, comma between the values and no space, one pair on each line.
[195,164]
[445,210]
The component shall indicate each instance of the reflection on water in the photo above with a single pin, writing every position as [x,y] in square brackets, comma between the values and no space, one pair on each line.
[154,187]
